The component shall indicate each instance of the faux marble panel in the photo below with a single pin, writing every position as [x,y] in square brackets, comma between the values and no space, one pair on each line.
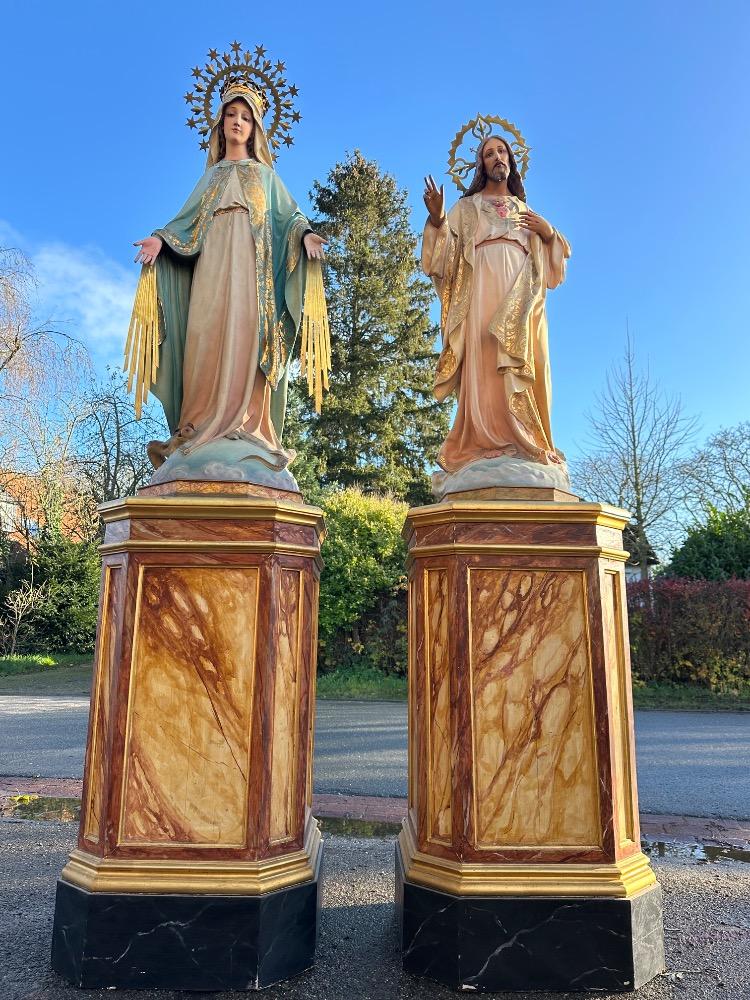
[437,680]
[614,646]
[285,706]
[412,777]
[535,773]
[101,708]
[216,530]
[190,710]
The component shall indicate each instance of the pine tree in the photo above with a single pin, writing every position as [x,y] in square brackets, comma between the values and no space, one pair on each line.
[380,426]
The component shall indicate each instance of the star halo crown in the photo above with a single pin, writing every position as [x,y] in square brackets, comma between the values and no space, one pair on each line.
[252,74]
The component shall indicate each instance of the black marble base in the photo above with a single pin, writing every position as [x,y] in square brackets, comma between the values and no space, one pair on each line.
[184,942]
[529,943]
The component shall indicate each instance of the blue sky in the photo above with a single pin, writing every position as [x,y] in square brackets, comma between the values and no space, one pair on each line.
[636,114]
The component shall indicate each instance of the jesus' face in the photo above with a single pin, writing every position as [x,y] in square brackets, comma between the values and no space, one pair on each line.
[496,160]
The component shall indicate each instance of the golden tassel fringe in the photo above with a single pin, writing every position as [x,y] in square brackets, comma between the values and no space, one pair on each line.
[142,345]
[315,351]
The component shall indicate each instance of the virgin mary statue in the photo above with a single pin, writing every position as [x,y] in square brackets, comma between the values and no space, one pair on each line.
[227,304]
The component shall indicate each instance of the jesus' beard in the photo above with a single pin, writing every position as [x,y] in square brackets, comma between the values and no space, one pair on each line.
[499,173]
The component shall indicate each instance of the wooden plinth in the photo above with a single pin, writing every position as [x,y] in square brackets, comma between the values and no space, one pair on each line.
[199,759]
[521,753]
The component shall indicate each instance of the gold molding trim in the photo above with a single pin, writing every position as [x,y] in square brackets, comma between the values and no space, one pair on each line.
[229,878]
[621,879]
[170,544]
[519,510]
[478,548]
[224,508]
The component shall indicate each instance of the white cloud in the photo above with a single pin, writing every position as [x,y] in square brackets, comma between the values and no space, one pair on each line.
[82,292]
[88,294]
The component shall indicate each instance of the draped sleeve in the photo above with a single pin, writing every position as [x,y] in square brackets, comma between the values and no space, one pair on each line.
[438,245]
[185,233]
[290,264]
[556,253]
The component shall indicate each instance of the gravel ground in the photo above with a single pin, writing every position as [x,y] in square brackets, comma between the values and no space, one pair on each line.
[707,926]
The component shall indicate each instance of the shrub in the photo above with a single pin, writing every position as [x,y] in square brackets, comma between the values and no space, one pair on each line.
[716,550]
[67,621]
[362,619]
[695,631]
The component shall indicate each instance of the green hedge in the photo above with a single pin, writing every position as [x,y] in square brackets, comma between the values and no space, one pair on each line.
[362,622]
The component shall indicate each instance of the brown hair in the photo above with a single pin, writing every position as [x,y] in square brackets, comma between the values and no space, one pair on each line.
[222,139]
[515,184]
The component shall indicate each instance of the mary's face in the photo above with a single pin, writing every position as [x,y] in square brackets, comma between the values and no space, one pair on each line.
[238,123]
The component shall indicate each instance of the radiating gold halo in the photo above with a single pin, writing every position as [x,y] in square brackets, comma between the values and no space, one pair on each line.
[481,127]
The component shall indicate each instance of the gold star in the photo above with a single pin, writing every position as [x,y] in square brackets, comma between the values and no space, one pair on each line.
[197,73]
[294,91]
[191,122]
[288,141]
[189,98]
[235,47]
[296,116]
[204,145]
[280,66]
[213,54]
[260,51]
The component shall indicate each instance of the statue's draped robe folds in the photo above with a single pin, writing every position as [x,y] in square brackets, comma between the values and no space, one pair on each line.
[231,287]
[492,278]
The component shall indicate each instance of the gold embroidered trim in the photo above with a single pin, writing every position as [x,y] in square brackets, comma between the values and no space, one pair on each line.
[447,364]
[205,214]
[294,244]
[524,409]
[511,322]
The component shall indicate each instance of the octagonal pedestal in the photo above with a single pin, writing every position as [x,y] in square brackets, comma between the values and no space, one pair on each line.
[519,866]
[198,857]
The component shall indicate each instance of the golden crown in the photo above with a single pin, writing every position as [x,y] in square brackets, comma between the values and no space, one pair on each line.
[252,75]
[480,127]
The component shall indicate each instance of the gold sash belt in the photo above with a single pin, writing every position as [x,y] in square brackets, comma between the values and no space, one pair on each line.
[503,239]
[232,208]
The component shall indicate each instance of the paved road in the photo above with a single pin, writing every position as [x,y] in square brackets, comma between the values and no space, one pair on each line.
[689,763]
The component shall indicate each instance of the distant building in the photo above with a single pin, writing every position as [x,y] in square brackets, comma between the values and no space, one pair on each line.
[22,510]
[632,567]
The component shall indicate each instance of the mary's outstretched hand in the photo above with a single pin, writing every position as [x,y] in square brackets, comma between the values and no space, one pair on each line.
[314,246]
[149,251]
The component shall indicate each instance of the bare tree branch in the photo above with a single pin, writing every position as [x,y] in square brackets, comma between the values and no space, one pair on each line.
[639,438]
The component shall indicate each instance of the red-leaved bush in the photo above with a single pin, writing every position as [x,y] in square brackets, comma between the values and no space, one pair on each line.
[695,631]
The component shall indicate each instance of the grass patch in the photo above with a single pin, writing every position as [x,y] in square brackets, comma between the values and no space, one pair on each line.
[34,663]
[42,807]
[369,684]
[690,698]
[364,684]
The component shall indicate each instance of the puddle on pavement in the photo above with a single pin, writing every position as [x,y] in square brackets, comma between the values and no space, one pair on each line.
[358,827]
[69,811]
[45,807]
[702,853]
